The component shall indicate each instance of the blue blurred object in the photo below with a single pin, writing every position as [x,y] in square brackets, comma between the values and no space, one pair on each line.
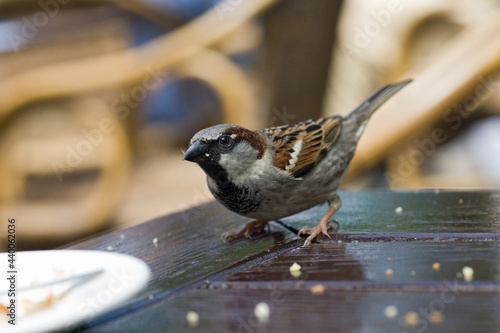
[186,9]
[181,103]
[187,104]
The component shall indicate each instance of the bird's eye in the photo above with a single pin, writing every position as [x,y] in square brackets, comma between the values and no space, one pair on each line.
[226,141]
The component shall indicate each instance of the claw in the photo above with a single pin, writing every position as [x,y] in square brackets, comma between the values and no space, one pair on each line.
[305,231]
[324,232]
[248,234]
[227,236]
[321,228]
[248,230]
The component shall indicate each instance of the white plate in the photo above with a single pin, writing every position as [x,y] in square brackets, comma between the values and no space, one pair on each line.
[122,277]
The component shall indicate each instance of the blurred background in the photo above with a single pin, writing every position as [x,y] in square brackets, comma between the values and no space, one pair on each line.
[98,98]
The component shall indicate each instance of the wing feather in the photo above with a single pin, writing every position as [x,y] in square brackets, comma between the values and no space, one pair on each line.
[300,146]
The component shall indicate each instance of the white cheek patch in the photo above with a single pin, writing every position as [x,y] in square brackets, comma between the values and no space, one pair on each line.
[243,166]
[233,166]
[295,155]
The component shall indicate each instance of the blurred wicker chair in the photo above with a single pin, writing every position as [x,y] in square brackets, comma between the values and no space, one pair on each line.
[186,51]
[461,68]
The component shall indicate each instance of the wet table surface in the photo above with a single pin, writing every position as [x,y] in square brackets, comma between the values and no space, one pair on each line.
[385,269]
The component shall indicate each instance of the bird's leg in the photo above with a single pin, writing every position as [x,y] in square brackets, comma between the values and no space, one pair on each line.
[322,227]
[248,230]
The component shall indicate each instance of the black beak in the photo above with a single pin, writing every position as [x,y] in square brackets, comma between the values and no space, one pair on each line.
[196,152]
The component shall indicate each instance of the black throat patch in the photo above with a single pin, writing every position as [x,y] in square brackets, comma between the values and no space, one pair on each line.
[241,200]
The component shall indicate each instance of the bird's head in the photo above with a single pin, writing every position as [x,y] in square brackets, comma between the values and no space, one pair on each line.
[226,151]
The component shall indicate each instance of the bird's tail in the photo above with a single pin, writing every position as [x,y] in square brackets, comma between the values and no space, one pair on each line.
[363,112]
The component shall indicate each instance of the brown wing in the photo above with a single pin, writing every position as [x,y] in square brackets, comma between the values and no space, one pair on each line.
[300,146]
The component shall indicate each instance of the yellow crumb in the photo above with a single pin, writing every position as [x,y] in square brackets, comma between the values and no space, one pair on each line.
[318,289]
[411,318]
[295,270]
[436,317]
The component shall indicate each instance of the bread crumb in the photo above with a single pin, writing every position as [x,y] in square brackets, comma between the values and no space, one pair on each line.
[460,201]
[192,318]
[391,311]
[468,273]
[399,210]
[318,289]
[436,266]
[412,318]
[295,270]
[389,272]
[295,267]
[155,242]
[436,317]
[262,312]
[109,248]
[122,236]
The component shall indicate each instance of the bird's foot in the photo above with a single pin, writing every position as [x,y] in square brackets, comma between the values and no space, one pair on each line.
[321,229]
[251,228]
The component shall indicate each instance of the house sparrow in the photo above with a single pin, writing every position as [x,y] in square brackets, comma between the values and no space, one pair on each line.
[277,172]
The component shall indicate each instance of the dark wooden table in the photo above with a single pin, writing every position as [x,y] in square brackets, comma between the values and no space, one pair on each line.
[194,271]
